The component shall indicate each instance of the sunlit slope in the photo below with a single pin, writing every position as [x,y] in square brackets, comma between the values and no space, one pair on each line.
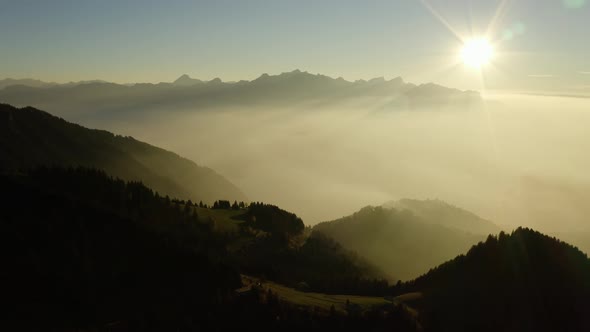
[321,301]
[29,138]
[438,212]
[399,242]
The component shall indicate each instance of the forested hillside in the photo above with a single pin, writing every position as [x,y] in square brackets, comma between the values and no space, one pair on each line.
[523,281]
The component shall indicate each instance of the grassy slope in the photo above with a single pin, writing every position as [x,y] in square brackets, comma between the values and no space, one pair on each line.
[223,220]
[323,302]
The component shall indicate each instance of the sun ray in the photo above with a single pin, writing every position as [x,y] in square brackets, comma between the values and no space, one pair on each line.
[478,54]
[500,10]
[442,20]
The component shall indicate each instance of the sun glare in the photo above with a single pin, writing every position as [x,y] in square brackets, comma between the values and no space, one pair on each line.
[477,52]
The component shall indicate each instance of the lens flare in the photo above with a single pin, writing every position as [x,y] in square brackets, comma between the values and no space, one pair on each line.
[477,52]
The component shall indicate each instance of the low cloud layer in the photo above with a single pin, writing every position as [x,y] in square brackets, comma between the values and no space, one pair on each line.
[521,161]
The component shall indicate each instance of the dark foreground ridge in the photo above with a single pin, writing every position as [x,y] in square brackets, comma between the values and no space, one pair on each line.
[523,281]
[84,251]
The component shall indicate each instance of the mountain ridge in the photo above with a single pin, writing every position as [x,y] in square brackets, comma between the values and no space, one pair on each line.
[186,78]
[31,138]
[394,240]
[442,213]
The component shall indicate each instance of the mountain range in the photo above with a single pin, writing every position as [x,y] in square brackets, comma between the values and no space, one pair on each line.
[34,83]
[185,93]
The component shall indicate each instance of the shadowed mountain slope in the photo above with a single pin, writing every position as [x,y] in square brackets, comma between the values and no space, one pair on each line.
[81,250]
[29,138]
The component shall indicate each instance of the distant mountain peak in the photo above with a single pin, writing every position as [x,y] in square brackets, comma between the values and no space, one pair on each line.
[262,77]
[182,78]
[186,80]
[397,80]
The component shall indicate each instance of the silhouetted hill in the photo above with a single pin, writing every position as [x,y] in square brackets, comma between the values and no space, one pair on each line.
[399,242]
[81,250]
[441,213]
[523,281]
[286,89]
[29,137]
[272,219]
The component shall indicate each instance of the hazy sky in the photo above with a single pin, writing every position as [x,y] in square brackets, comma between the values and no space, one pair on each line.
[540,44]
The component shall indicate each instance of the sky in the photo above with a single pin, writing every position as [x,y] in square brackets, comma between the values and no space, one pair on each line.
[540,45]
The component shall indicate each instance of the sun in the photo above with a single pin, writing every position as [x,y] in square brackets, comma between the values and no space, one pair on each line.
[477,52]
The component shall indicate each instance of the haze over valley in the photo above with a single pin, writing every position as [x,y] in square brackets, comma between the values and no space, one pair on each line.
[509,157]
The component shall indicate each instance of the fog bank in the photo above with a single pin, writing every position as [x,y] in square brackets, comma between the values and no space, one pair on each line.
[521,161]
